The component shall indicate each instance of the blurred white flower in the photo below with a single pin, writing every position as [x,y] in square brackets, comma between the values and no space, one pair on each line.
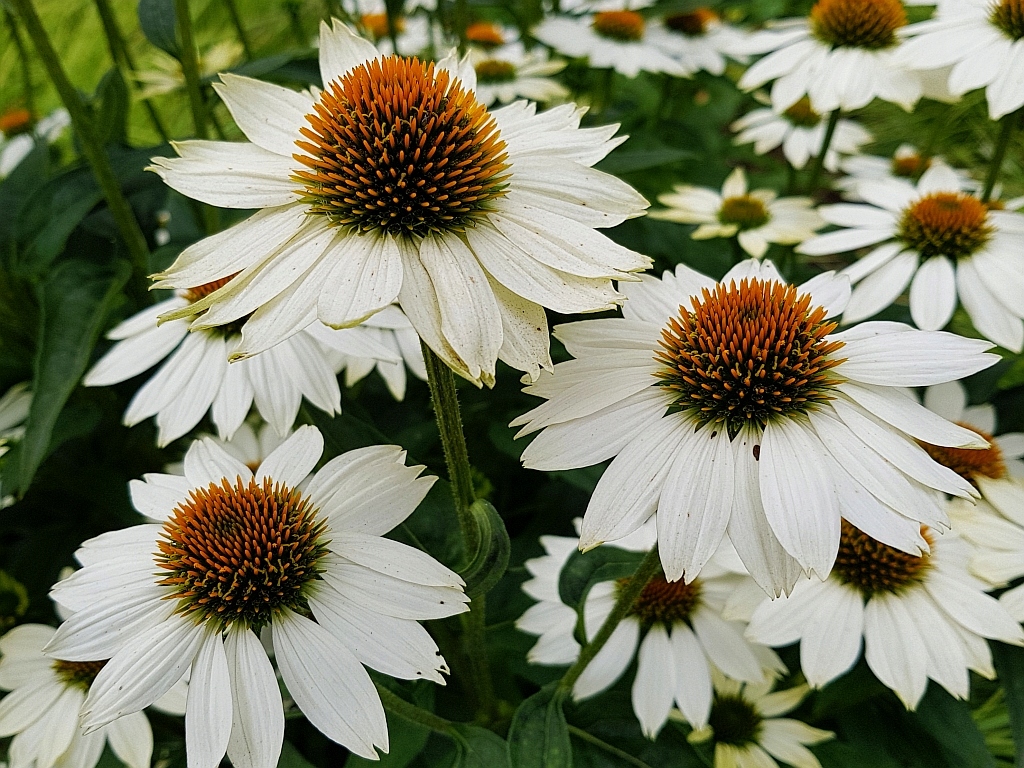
[18,135]
[907,162]
[755,218]
[509,72]
[920,616]
[14,408]
[800,131]
[165,75]
[310,565]
[699,40]
[942,242]
[734,405]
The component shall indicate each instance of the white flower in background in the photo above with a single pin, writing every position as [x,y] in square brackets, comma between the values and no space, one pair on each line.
[42,710]
[251,444]
[488,36]
[14,408]
[907,162]
[942,242]
[735,405]
[415,32]
[549,618]
[514,230]
[311,567]
[166,76]
[842,56]
[610,39]
[755,218]
[748,732]
[674,630]
[698,40]
[983,40]
[800,131]
[390,329]
[920,617]
[196,376]
[18,135]
[593,6]
[510,72]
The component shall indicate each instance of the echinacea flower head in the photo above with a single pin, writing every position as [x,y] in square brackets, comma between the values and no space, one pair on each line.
[308,567]
[747,731]
[920,616]
[841,56]
[471,220]
[756,218]
[609,39]
[982,44]
[674,630]
[907,162]
[943,242]
[699,40]
[196,376]
[735,405]
[800,131]
[510,72]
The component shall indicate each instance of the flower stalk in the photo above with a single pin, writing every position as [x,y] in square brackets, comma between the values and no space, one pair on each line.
[397,705]
[996,164]
[826,142]
[26,68]
[236,20]
[190,67]
[95,155]
[647,570]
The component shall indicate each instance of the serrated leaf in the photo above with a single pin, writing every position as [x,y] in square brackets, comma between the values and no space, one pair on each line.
[159,25]
[579,572]
[539,734]
[74,302]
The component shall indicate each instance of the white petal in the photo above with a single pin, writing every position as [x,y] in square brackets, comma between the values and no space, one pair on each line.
[131,739]
[832,635]
[206,463]
[948,400]
[893,648]
[692,676]
[610,662]
[294,459]
[257,712]
[394,559]
[724,645]
[208,710]
[269,115]
[933,294]
[654,685]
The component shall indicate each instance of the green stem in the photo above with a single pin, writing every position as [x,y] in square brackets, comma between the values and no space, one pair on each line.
[123,60]
[190,67]
[392,19]
[996,165]
[582,735]
[236,19]
[819,161]
[97,158]
[474,642]
[26,67]
[648,569]
[397,705]
[461,23]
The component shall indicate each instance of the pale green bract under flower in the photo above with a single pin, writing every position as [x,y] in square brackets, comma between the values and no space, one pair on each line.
[474,293]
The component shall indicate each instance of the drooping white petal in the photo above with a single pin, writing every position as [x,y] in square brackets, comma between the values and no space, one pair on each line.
[654,685]
[294,459]
[831,638]
[208,710]
[692,676]
[257,730]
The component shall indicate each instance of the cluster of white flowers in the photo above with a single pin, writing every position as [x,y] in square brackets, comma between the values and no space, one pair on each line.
[764,436]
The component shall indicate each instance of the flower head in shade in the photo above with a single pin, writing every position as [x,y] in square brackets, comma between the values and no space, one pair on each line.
[510,72]
[42,711]
[800,131]
[734,405]
[920,616]
[983,43]
[943,242]
[699,40]
[841,56]
[472,220]
[674,630]
[608,39]
[755,218]
[196,376]
[747,731]
[235,553]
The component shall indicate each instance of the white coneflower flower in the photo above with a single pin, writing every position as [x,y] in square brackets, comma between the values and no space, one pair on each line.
[755,218]
[841,56]
[164,74]
[196,376]
[474,221]
[414,32]
[390,329]
[43,709]
[748,732]
[18,134]
[511,72]
[907,162]
[675,631]
[608,39]
[920,617]
[735,405]
[698,40]
[983,40]
[800,131]
[251,444]
[942,242]
[309,567]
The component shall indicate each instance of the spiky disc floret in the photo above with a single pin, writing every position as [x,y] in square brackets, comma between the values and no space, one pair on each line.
[871,566]
[77,674]
[747,353]
[734,720]
[868,24]
[238,553]
[946,224]
[665,601]
[1008,15]
[399,147]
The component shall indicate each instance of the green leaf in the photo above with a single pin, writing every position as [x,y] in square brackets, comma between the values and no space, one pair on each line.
[75,301]
[111,106]
[949,722]
[1009,663]
[405,740]
[159,25]
[629,161]
[584,569]
[479,748]
[17,189]
[292,758]
[491,559]
[539,735]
